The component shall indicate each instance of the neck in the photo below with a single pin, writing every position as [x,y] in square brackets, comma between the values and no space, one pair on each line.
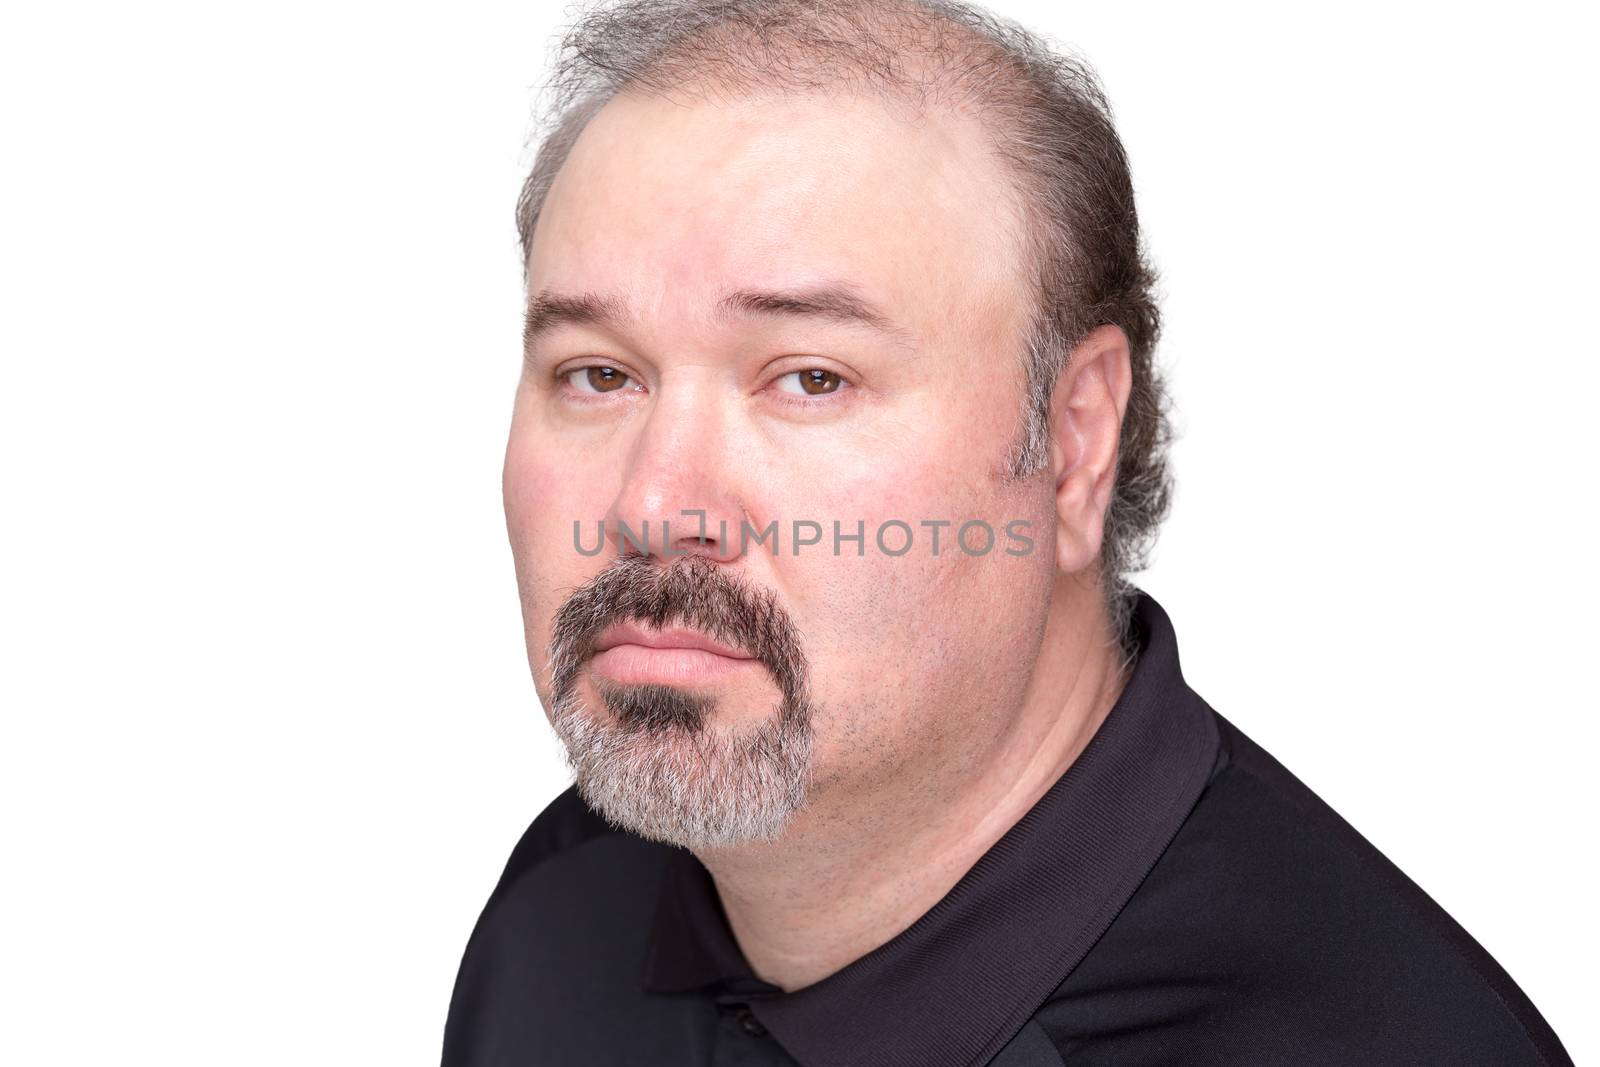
[853,872]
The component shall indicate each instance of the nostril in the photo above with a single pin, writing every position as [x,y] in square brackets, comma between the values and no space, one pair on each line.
[685,545]
[690,532]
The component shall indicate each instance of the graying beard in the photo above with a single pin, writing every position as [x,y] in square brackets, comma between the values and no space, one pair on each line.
[690,787]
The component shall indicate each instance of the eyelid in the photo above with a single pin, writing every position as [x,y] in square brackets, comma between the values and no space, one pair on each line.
[806,370]
[566,367]
[564,373]
[811,400]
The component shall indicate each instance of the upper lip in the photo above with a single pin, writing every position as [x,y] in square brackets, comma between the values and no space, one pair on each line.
[673,637]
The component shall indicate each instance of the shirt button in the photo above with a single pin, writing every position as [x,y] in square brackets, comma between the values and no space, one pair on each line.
[749,1023]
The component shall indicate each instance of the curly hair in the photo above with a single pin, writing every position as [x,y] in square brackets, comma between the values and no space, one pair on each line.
[1046,116]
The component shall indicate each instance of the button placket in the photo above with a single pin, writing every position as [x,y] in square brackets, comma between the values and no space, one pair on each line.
[742,1014]
[748,1022]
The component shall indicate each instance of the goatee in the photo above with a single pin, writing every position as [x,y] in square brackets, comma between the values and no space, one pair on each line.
[650,760]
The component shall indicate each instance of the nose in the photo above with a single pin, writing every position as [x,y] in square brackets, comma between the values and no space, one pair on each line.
[678,495]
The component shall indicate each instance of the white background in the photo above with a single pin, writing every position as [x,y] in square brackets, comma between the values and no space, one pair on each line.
[269,734]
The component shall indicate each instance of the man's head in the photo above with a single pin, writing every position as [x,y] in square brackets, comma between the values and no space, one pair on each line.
[820,263]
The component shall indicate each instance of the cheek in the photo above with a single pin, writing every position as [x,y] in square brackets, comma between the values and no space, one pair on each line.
[545,493]
[530,487]
[915,656]
[919,653]
[927,457]
[870,478]
[542,500]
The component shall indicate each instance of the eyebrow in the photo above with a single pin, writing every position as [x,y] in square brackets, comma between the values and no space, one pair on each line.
[834,302]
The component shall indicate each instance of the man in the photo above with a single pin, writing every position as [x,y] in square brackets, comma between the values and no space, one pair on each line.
[837,439]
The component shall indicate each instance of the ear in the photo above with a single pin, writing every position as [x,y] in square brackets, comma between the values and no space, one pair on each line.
[1086,412]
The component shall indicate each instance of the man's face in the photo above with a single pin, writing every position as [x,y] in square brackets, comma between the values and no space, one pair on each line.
[869,671]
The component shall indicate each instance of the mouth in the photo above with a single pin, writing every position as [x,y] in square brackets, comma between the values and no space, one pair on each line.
[630,654]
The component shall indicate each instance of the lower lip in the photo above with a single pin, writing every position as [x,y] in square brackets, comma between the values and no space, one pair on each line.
[638,664]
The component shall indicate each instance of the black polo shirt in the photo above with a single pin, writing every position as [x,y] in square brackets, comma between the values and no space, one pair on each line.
[1175,897]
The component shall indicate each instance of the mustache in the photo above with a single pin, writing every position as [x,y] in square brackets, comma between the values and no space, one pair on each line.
[692,591]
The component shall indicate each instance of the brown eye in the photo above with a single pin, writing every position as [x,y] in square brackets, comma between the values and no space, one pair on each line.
[596,379]
[813,382]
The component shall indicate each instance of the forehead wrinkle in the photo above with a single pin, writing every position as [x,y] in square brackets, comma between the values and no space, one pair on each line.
[835,302]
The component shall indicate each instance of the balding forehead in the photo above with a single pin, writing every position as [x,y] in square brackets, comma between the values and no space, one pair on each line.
[767,193]
[913,52]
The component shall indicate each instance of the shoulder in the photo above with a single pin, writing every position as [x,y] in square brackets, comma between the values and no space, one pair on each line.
[1272,931]
[566,824]
[563,931]
[567,857]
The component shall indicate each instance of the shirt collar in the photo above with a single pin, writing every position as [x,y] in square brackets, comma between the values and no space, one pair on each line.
[960,981]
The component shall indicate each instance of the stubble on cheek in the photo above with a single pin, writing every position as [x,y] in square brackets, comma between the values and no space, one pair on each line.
[919,677]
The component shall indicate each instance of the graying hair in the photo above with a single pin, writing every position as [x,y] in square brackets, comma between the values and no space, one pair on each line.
[1049,121]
